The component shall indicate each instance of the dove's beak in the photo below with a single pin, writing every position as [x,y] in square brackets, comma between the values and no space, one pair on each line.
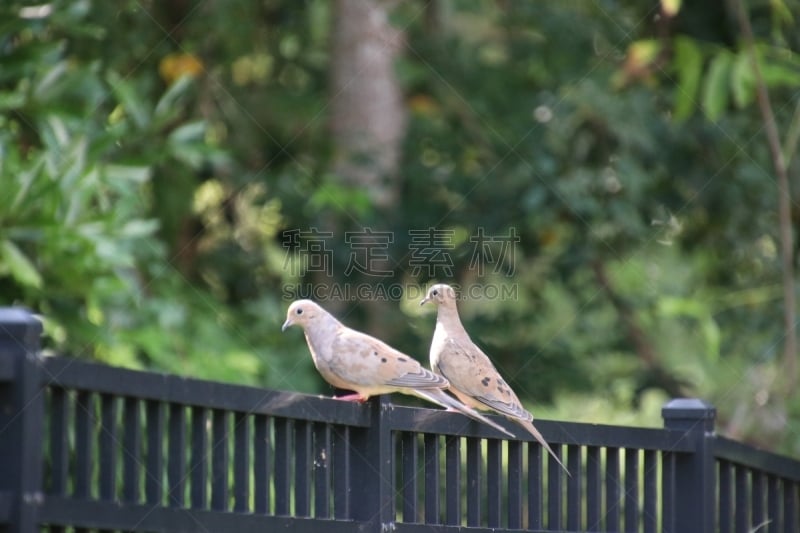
[424,301]
[286,324]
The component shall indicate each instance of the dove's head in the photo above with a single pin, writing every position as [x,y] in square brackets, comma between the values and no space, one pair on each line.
[302,313]
[441,294]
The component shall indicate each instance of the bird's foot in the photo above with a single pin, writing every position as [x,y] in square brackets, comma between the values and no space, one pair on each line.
[352,398]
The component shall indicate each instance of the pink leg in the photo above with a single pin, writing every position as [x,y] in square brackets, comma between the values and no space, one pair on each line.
[355,397]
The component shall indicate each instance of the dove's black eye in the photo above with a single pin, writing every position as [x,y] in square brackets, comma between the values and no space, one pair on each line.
[299,311]
[435,293]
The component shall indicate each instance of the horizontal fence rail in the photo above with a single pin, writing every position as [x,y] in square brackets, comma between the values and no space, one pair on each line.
[88,447]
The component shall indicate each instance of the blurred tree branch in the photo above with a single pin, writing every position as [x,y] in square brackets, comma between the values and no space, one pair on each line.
[784,198]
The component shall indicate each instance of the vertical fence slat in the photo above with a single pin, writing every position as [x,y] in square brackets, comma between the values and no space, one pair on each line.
[474,482]
[302,469]
[725,498]
[432,447]
[176,459]
[574,483]
[241,462]
[132,450]
[261,464]
[555,501]
[514,448]
[199,466]
[220,459]
[758,497]
[631,489]
[59,440]
[108,447]
[494,480]
[283,465]
[409,448]
[84,450]
[535,484]
[773,505]
[341,472]
[593,488]
[742,499]
[452,483]
[154,480]
[650,511]
[613,486]
[668,492]
[322,470]
[789,506]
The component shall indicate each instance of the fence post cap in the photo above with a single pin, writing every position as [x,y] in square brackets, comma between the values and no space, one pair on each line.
[688,408]
[19,323]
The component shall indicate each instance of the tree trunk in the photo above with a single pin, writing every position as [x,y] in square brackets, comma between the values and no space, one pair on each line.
[368,118]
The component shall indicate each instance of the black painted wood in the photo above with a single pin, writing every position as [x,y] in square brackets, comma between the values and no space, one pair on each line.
[154,473]
[494,482]
[323,455]
[107,463]
[453,480]
[594,495]
[262,464]
[200,457]
[131,450]
[342,468]
[242,438]
[59,440]
[632,511]
[177,456]
[432,477]
[613,490]
[84,444]
[474,481]
[535,487]
[515,475]
[409,449]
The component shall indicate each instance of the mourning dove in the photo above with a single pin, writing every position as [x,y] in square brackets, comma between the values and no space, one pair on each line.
[473,378]
[351,360]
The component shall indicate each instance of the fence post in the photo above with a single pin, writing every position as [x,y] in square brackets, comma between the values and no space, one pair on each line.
[21,421]
[372,493]
[694,475]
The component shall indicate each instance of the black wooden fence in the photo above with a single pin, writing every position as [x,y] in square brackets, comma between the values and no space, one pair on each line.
[88,447]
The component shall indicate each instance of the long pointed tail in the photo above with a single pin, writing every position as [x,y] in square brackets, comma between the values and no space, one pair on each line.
[439,397]
[527,424]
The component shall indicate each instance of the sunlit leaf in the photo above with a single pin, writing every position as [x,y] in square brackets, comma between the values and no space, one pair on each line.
[17,264]
[670,8]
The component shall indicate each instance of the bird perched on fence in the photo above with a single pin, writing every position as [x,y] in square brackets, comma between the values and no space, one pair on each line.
[351,360]
[473,378]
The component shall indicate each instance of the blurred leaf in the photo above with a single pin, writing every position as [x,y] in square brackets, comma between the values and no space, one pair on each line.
[15,263]
[743,80]
[777,74]
[130,99]
[166,108]
[716,87]
[670,8]
[689,63]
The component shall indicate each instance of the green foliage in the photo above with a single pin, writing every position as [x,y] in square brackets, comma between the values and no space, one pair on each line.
[152,155]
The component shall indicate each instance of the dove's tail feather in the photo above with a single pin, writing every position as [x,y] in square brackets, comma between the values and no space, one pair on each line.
[527,424]
[440,397]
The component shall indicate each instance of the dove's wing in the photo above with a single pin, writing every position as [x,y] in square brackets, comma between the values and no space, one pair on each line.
[470,371]
[368,362]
